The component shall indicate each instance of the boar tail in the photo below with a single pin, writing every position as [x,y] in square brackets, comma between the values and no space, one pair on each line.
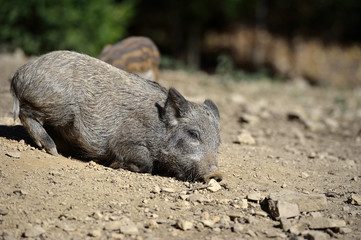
[16,108]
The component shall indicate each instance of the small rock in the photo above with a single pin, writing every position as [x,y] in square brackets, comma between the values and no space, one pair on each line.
[238,228]
[127,226]
[234,215]
[345,230]
[305,202]
[95,233]
[304,175]
[315,235]
[248,118]
[184,225]
[168,190]
[244,203]
[323,223]
[14,154]
[115,235]
[255,196]
[20,192]
[151,224]
[97,215]
[112,226]
[197,198]
[261,213]
[129,229]
[213,186]
[283,209]
[245,138]
[208,223]
[3,213]
[331,124]
[34,231]
[156,189]
[355,199]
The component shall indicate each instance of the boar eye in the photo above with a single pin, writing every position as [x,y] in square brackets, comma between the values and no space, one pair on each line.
[194,134]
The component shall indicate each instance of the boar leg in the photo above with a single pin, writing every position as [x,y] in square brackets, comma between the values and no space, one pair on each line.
[38,134]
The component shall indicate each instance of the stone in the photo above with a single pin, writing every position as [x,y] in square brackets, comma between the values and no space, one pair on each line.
[355,199]
[213,186]
[255,196]
[184,225]
[248,118]
[208,223]
[3,213]
[95,233]
[315,235]
[345,230]
[33,231]
[282,209]
[245,138]
[14,154]
[244,203]
[168,190]
[238,228]
[151,224]
[97,215]
[156,189]
[305,202]
[127,226]
[324,223]
[304,175]
[197,198]
[234,215]
[112,226]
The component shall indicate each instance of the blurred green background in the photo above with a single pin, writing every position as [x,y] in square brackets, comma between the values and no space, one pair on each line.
[179,28]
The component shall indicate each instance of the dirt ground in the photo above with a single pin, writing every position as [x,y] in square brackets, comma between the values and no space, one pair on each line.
[275,137]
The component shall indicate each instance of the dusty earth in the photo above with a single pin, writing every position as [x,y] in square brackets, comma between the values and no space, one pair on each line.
[275,137]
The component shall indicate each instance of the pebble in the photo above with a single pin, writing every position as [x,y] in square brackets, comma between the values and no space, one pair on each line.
[283,209]
[304,175]
[14,154]
[127,226]
[213,186]
[156,189]
[3,213]
[323,223]
[245,138]
[244,203]
[305,202]
[115,235]
[168,190]
[184,225]
[95,233]
[151,224]
[97,215]
[255,196]
[238,228]
[315,235]
[112,226]
[345,230]
[34,231]
[355,199]
[208,223]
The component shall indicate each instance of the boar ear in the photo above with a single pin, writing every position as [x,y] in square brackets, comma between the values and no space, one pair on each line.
[175,107]
[213,107]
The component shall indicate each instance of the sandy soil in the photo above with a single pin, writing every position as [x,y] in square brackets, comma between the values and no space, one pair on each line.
[275,137]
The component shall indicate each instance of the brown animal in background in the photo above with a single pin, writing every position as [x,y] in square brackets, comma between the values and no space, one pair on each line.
[137,55]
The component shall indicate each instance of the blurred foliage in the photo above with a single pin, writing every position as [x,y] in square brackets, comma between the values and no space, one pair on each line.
[38,26]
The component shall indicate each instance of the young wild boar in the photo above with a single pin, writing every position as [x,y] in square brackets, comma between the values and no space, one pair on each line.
[121,120]
[137,55]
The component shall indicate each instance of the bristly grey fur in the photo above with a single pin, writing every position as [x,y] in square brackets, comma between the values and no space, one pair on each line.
[81,105]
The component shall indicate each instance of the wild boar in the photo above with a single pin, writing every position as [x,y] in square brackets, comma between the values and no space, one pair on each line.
[121,120]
